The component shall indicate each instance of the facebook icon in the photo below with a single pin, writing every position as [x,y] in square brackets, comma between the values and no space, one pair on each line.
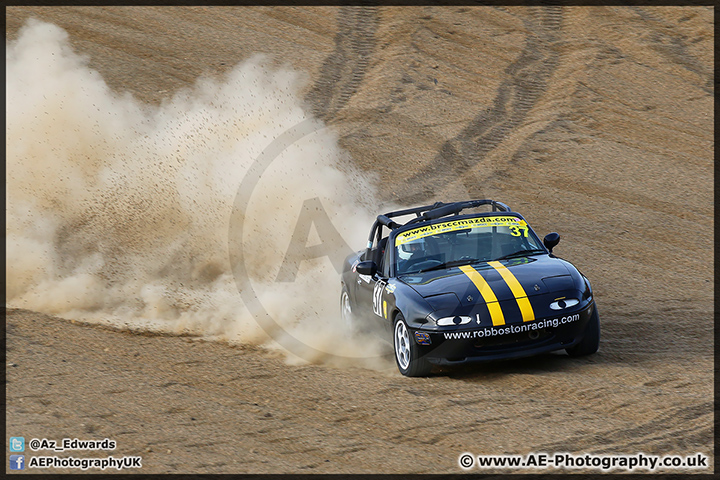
[17,462]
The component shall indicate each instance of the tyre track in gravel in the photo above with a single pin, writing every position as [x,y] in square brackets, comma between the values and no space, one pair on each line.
[673,431]
[674,48]
[527,79]
[343,71]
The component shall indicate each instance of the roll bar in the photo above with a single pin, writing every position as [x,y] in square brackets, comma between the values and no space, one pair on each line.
[426,213]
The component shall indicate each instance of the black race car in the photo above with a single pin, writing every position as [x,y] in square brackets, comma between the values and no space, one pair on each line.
[454,287]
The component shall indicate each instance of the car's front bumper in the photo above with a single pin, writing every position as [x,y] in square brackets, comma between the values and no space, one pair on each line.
[449,347]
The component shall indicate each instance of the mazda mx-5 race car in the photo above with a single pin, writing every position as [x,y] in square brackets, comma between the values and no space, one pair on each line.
[453,287]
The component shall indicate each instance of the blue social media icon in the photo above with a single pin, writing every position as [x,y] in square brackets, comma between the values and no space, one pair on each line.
[17,462]
[17,444]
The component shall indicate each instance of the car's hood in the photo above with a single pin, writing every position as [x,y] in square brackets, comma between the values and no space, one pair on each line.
[529,272]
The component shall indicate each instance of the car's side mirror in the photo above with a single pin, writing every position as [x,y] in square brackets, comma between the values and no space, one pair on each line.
[551,240]
[366,268]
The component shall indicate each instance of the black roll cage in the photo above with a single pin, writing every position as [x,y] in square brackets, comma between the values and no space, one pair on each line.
[424,214]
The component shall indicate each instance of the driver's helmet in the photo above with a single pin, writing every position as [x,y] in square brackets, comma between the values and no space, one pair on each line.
[415,247]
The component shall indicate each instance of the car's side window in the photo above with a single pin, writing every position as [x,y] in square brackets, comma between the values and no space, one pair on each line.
[371,255]
[379,256]
[384,265]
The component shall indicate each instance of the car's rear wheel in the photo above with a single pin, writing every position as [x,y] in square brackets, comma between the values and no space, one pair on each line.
[407,353]
[591,341]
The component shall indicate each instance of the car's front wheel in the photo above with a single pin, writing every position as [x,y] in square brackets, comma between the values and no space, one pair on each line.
[591,340]
[407,353]
[346,312]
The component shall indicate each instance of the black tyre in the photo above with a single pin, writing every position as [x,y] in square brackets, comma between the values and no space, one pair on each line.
[591,341]
[346,313]
[407,353]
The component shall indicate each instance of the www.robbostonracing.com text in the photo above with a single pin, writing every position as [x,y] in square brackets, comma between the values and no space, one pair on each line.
[638,461]
[506,330]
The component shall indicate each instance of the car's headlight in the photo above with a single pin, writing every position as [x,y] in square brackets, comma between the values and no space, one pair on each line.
[562,303]
[456,320]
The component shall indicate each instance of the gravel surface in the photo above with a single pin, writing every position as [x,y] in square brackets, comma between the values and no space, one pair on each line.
[596,122]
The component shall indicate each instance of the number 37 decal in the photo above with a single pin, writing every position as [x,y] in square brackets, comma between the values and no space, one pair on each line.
[517,231]
[377,298]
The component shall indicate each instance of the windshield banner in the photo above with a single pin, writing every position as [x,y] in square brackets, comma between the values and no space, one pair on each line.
[478,222]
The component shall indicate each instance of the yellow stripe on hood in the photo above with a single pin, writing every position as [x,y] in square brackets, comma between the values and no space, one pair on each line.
[496,314]
[518,291]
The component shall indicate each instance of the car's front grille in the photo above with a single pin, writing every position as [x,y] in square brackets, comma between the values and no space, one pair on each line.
[514,339]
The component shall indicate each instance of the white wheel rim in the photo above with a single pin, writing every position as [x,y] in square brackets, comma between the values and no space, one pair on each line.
[346,309]
[402,345]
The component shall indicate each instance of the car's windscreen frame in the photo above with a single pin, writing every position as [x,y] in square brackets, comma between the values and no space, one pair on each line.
[478,224]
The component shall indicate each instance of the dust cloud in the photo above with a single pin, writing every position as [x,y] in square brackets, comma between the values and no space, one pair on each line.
[118,212]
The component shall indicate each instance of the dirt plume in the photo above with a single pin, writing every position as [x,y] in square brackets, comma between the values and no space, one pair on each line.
[118,211]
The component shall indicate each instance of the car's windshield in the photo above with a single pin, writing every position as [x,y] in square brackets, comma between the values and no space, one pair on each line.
[462,242]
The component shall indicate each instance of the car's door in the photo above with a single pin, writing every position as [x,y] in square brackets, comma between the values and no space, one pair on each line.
[369,289]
